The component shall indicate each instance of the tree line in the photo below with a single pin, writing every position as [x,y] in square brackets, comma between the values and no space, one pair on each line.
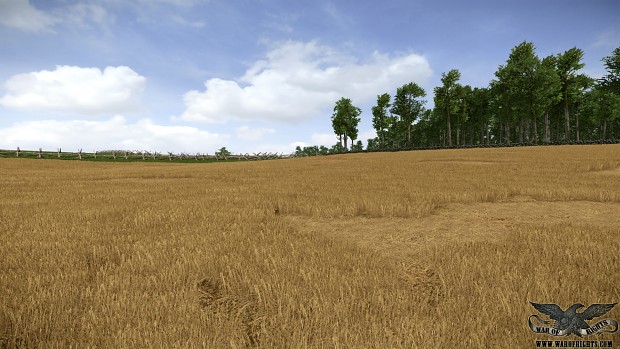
[531,100]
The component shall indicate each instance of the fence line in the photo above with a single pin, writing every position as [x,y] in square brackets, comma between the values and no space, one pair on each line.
[142,155]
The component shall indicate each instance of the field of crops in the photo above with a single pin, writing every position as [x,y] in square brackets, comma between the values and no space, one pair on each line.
[427,249]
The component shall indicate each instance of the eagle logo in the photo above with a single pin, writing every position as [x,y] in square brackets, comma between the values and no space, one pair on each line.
[570,321]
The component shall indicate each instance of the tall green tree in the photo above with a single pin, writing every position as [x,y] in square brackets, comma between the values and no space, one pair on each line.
[611,81]
[503,104]
[408,106]
[550,93]
[463,100]
[602,107]
[345,120]
[480,115]
[444,95]
[568,64]
[380,116]
[522,80]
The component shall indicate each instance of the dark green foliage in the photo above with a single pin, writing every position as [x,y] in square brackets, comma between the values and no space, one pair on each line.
[357,146]
[611,81]
[408,107]
[345,120]
[223,152]
[381,120]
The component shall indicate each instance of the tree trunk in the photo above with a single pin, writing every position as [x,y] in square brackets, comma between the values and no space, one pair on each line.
[382,137]
[409,135]
[520,129]
[458,130]
[604,129]
[449,132]
[566,121]
[507,132]
[487,136]
[534,129]
[345,143]
[577,126]
[528,126]
[546,121]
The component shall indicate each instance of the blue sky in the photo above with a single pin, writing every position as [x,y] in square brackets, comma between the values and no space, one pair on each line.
[254,76]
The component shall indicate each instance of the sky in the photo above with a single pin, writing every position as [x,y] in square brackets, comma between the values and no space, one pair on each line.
[192,76]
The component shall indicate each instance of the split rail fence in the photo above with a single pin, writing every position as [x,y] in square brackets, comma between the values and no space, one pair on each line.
[139,155]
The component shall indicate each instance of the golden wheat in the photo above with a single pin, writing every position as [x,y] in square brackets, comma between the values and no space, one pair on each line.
[429,249]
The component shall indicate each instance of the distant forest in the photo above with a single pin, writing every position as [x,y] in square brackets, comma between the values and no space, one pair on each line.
[530,101]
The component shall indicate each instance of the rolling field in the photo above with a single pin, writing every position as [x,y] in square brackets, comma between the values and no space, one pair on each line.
[428,249]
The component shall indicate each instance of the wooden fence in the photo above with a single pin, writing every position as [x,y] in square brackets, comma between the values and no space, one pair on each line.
[127,155]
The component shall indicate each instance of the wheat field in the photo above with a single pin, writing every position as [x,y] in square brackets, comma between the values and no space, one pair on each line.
[427,249]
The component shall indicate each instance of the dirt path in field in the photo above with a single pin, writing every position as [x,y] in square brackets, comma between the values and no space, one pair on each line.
[406,242]
[403,238]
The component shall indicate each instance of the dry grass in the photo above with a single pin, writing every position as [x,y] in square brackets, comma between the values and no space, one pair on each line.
[432,249]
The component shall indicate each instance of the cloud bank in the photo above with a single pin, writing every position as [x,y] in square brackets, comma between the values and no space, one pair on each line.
[75,90]
[115,133]
[297,81]
[21,15]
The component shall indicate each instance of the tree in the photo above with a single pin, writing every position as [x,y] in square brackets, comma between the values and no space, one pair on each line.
[608,107]
[611,81]
[373,144]
[345,120]
[462,100]
[568,64]
[408,106]
[380,119]
[521,74]
[602,107]
[223,152]
[503,105]
[550,91]
[336,149]
[445,93]
[358,146]
[480,115]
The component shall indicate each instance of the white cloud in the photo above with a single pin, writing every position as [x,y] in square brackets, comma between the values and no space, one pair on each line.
[297,81]
[326,139]
[609,38]
[75,90]
[115,133]
[280,22]
[181,3]
[185,22]
[364,136]
[85,14]
[20,14]
[253,134]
